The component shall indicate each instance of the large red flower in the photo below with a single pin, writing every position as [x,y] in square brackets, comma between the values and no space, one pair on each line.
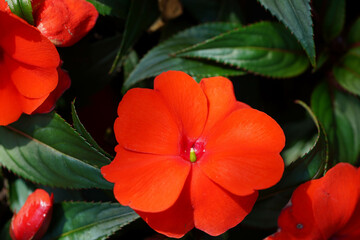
[326,208]
[28,68]
[190,155]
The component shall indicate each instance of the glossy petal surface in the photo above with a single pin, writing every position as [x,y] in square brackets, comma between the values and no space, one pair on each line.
[146,182]
[145,124]
[185,99]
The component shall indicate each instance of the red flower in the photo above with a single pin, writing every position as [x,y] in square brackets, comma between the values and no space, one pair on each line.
[64,22]
[190,155]
[326,208]
[33,219]
[28,68]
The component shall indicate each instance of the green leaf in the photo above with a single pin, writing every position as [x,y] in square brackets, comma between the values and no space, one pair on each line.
[354,33]
[265,48]
[296,15]
[117,8]
[45,149]
[347,71]
[88,221]
[19,190]
[141,15]
[334,19]
[161,58]
[311,165]
[22,8]
[339,113]
[85,134]
[5,234]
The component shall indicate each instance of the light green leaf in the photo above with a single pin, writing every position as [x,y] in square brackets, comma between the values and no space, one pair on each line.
[339,113]
[334,19]
[88,221]
[117,8]
[161,58]
[45,149]
[19,190]
[296,15]
[22,8]
[347,71]
[264,48]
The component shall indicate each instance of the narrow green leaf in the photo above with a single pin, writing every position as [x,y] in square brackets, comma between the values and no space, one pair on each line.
[84,133]
[339,113]
[265,48]
[161,58]
[312,165]
[334,19]
[45,149]
[296,15]
[354,33]
[347,71]
[19,190]
[117,8]
[141,15]
[88,221]
[22,8]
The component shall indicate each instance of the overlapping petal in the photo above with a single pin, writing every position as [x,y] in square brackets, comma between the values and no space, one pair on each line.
[215,209]
[146,182]
[242,152]
[185,99]
[145,124]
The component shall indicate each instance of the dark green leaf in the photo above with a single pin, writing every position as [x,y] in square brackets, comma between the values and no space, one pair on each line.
[334,19]
[141,15]
[347,72]
[296,15]
[85,134]
[339,113]
[312,165]
[161,58]
[117,8]
[88,221]
[22,8]
[209,9]
[5,234]
[45,149]
[19,190]
[265,48]
[354,33]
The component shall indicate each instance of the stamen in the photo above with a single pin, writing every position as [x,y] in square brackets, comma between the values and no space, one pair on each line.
[192,155]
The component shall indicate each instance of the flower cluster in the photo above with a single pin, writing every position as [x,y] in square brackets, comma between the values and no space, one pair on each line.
[190,155]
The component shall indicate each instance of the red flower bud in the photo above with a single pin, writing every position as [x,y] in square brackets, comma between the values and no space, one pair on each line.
[33,219]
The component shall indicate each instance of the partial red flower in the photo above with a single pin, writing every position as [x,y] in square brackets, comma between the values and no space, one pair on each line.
[325,208]
[28,68]
[190,155]
[33,219]
[64,22]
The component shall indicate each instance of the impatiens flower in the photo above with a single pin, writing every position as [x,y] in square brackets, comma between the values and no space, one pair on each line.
[190,155]
[64,22]
[326,208]
[28,68]
[33,219]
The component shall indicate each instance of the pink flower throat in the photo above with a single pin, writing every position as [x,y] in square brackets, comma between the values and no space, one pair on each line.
[191,150]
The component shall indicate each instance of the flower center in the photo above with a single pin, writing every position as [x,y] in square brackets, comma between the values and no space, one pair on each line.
[192,150]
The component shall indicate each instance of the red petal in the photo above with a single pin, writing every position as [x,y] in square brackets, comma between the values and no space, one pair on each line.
[146,182]
[10,110]
[242,154]
[25,43]
[215,209]
[64,22]
[31,82]
[33,219]
[63,84]
[185,99]
[221,99]
[4,6]
[145,124]
[338,191]
[174,222]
